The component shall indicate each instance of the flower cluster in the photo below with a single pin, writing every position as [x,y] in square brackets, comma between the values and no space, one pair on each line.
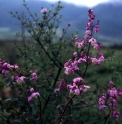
[33,94]
[97,61]
[72,65]
[90,27]
[101,101]
[78,86]
[94,44]
[112,101]
[19,78]
[5,67]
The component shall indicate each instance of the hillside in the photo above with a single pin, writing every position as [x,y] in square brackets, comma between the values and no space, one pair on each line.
[109,14]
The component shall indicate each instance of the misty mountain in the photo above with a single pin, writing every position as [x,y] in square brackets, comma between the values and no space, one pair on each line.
[109,15]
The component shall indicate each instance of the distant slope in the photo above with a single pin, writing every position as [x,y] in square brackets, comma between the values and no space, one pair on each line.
[109,14]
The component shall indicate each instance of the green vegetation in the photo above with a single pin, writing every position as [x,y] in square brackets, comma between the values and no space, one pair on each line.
[52,79]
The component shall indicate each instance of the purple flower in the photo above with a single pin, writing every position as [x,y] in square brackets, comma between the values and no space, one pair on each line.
[113,102]
[75,54]
[77,91]
[96,29]
[77,80]
[31,90]
[44,10]
[34,76]
[111,83]
[71,66]
[101,107]
[88,32]
[101,101]
[29,98]
[20,79]
[16,67]
[78,87]
[35,94]
[92,41]
[116,114]
[113,92]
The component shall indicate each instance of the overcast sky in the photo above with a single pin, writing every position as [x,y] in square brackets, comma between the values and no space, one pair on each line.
[88,3]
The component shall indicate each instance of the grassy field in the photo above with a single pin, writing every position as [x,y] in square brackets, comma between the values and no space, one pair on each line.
[96,76]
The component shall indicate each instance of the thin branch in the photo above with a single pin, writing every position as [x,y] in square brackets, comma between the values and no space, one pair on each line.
[59,120]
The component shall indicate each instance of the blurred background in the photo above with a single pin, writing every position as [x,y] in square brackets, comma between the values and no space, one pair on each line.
[108,12]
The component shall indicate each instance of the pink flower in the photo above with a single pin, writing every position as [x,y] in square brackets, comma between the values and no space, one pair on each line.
[116,114]
[67,70]
[76,38]
[81,60]
[71,66]
[78,87]
[80,44]
[119,92]
[113,102]
[62,84]
[5,67]
[92,41]
[77,91]
[88,32]
[77,80]
[101,107]
[20,79]
[95,61]
[96,46]
[5,72]
[96,29]
[89,23]
[75,54]
[101,59]
[111,83]
[86,37]
[16,67]
[113,92]
[35,94]
[8,65]
[29,98]
[101,101]
[84,88]
[44,10]
[31,90]
[34,76]
[5,64]
[12,77]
